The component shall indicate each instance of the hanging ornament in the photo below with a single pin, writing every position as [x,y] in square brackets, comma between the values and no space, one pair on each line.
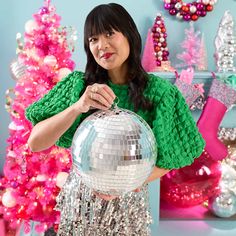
[114,151]
[189,11]
[17,69]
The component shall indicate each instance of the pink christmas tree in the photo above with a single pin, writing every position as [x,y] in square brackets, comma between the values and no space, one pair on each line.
[191,45]
[155,54]
[32,181]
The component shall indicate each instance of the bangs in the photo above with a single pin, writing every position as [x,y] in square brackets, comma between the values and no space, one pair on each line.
[101,21]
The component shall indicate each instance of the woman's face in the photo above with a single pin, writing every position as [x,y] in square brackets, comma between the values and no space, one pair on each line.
[110,50]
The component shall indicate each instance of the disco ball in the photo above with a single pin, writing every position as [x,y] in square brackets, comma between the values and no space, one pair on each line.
[114,151]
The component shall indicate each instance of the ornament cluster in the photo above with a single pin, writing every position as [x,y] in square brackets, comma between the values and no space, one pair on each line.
[189,11]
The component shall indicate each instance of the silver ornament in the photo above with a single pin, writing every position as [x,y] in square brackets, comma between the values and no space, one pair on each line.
[114,151]
[224,205]
[17,69]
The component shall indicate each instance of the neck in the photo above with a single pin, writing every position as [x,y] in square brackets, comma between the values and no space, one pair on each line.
[119,75]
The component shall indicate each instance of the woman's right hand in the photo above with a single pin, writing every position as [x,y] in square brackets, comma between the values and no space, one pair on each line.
[98,96]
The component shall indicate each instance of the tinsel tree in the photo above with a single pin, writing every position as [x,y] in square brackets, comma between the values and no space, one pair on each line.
[191,45]
[202,62]
[32,181]
[155,54]
[225,44]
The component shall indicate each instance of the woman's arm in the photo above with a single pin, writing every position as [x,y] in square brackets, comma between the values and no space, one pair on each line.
[156,173]
[47,132]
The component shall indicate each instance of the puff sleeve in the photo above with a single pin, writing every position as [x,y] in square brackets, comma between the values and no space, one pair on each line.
[178,139]
[64,94]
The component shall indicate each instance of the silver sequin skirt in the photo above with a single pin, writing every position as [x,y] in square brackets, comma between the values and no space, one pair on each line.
[85,214]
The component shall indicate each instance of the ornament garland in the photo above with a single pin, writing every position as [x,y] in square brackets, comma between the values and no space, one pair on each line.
[189,11]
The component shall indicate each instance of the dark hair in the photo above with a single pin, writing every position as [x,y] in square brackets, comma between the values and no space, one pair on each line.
[102,19]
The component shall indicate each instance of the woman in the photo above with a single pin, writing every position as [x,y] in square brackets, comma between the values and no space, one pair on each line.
[113,47]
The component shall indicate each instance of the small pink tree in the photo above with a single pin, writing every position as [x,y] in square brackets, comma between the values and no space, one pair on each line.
[155,54]
[191,45]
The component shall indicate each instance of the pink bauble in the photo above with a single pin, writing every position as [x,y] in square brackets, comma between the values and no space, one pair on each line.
[203,13]
[43,10]
[200,6]
[50,60]
[61,179]
[30,26]
[8,199]
[187,17]
[173,11]
[192,185]
[167,6]
[62,73]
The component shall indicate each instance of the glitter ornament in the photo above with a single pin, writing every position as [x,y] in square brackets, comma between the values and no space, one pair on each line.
[189,11]
[114,151]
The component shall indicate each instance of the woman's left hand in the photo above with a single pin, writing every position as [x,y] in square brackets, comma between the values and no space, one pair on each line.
[105,196]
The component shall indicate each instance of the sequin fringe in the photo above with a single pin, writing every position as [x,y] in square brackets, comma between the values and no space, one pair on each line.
[85,214]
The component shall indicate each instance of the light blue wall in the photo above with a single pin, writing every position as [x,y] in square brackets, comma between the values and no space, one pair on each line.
[14,14]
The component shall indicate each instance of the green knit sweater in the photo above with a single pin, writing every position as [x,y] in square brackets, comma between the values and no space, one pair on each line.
[177,136]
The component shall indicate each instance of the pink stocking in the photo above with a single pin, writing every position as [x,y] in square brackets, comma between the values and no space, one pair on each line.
[220,98]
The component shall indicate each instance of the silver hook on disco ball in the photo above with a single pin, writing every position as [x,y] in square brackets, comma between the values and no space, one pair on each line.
[115,103]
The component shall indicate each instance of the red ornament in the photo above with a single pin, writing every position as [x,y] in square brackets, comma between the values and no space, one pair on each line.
[188,11]
[55,227]
[185,8]
[194,17]
[209,8]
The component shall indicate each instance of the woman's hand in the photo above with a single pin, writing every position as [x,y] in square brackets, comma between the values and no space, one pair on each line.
[99,96]
[105,196]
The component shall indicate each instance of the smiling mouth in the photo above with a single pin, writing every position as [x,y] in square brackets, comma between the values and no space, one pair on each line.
[106,55]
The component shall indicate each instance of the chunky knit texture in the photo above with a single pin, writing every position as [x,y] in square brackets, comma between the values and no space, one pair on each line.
[178,139]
